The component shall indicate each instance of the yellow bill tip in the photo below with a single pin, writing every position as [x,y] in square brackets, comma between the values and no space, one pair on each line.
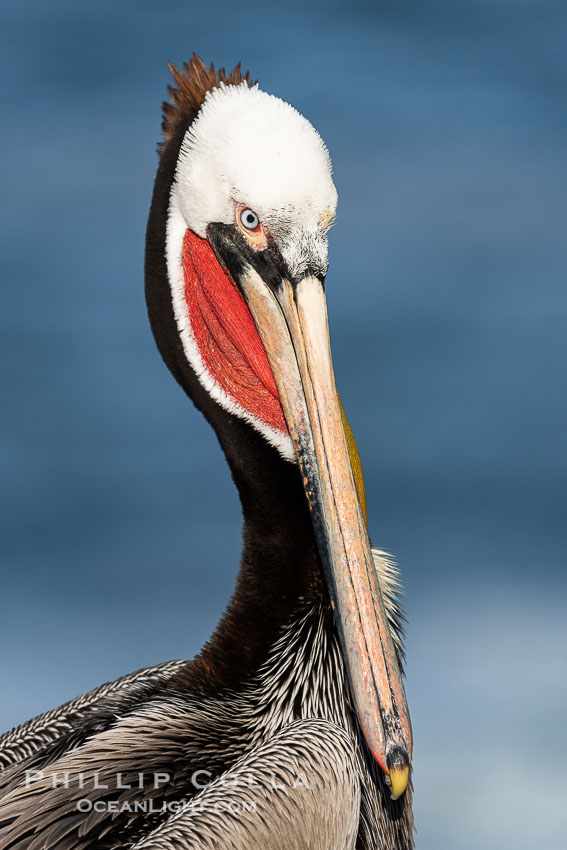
[399,778]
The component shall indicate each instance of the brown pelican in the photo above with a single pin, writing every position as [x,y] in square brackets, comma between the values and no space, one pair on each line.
[290,729]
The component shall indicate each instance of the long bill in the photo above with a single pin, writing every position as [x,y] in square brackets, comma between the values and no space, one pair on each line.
[292,323]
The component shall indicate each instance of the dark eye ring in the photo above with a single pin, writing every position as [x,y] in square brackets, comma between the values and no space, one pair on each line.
[249,219]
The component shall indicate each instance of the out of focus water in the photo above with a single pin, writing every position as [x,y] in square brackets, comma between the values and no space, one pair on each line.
[447,124]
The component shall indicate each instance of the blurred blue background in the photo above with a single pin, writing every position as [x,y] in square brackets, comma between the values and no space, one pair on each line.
[447,124]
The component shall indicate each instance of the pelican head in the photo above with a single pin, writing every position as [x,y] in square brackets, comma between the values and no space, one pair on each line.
[251,202]
[251,150]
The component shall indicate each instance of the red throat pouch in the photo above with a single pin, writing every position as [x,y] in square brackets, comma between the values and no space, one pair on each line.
[226,335]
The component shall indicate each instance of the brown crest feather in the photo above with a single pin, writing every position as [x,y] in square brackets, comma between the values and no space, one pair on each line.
[188,93]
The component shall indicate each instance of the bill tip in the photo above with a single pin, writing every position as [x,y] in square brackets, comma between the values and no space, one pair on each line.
[399,778]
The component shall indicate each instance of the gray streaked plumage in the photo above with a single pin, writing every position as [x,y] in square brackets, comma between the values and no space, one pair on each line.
[23,741]
[144,723]
[304,776]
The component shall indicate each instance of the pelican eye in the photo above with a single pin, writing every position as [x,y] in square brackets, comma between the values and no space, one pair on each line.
[249,219]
